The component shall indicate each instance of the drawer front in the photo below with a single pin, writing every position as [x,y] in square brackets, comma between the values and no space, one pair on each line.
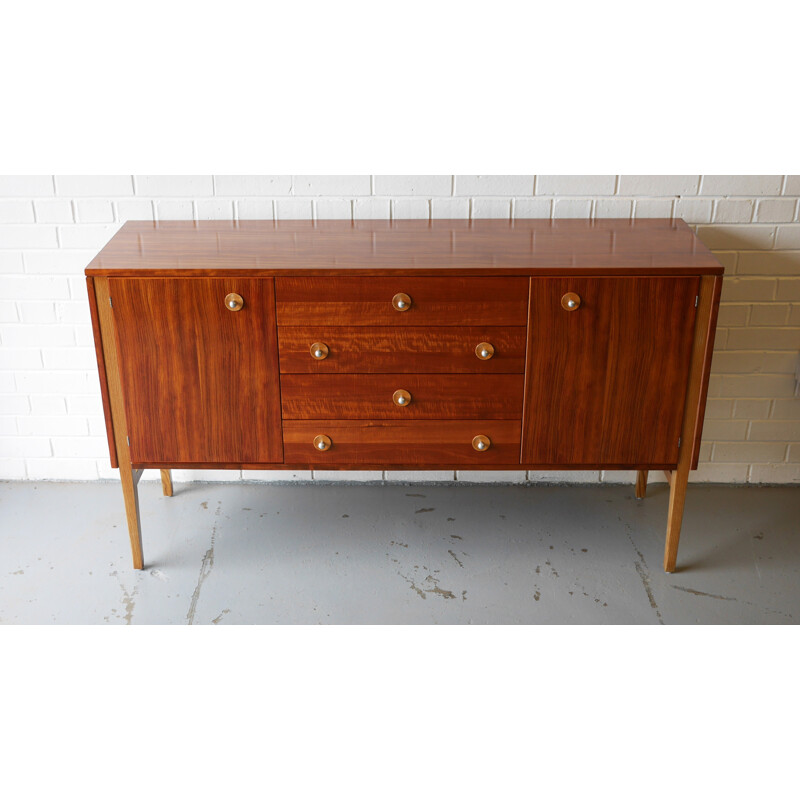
[431,396]
[380,443]
[392,349]
[428,301]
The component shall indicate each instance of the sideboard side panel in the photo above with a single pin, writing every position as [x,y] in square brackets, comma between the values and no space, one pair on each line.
[707,312]
[101,370]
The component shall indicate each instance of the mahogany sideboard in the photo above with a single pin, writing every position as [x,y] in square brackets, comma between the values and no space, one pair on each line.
[445,344]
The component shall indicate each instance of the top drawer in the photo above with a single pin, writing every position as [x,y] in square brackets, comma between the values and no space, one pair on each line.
[402,301]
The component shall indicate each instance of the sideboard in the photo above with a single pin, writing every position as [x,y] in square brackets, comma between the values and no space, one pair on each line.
[407,344]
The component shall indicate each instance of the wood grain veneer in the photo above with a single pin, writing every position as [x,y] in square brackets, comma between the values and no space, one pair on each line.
[396,248]
[395,443]
[402,349]
[432,397]
[200,381]
[606,382]
[434,301]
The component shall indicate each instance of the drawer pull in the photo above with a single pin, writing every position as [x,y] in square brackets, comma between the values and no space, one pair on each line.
[322,442]
[484,351]
[571,301]
[401,397]
[319,351]
[481,443]
[401,302]
[234,302]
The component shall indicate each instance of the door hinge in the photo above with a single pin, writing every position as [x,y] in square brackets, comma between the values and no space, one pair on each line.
[110,303]
[129,440]
[679,442]
[696,300]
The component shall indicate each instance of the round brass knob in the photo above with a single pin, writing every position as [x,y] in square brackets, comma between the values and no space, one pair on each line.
[319,351]
[481,443]
[322,442]
[484,351]
[234,302]
[571,301]
[401,302]
[401,397]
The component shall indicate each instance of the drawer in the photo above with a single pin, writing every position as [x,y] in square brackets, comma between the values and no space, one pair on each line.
[372,396]
[430,301]
[380,443]
[391,349]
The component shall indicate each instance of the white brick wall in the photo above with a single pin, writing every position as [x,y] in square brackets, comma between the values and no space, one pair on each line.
[51,421]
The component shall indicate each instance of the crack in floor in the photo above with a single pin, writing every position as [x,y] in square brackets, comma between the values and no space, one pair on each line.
[206,566]
[644,575]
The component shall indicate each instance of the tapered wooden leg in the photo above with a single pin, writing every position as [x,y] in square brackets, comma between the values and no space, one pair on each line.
[128,476]
[707,303]
[641,483]
[130,479]
[678,480]
[166,482]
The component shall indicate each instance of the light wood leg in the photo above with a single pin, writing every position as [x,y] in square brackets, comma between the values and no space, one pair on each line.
[128,476]
[689,442]
[166,482]
[678,480]
[641,483]
[130,479]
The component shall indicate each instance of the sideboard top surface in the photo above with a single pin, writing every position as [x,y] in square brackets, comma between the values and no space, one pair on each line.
[493,247]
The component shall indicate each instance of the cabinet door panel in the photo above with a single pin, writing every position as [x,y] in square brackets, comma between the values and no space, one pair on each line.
[606,383]
[200,381]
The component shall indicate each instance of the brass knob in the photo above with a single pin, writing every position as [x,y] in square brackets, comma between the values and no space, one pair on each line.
[481,443]
[401,397]
[234,302]
[322,442]
[484,351]
[401,302]
[319,350]
[571,301]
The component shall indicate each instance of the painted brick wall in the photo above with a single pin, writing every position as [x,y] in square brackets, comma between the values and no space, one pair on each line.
[51,423]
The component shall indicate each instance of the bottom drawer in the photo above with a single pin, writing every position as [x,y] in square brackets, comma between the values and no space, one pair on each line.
[412,443]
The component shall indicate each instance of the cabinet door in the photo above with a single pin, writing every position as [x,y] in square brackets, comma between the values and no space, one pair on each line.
[606,382]
[200,381]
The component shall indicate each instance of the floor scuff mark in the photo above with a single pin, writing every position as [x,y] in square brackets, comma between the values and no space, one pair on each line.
[128,599]
[446,593]
[644,575]
[456,559]
[698,593]
[704,594]
[413,586]
[206,566]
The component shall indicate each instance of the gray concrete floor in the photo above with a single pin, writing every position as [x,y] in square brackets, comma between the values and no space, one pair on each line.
[246,553]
